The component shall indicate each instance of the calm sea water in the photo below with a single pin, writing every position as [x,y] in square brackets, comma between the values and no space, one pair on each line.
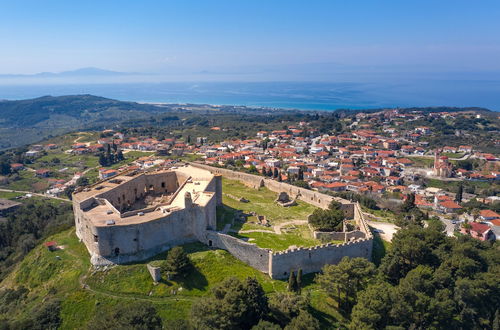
[306,96]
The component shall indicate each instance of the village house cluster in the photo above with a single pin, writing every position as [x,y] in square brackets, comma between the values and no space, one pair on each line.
[363,160]
[372,156]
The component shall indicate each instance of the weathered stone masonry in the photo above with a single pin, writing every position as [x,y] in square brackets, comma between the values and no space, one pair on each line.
[279,264]
[118,225]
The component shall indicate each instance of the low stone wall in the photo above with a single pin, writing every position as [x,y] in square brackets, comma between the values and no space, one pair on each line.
[249,253]
[254,181]
[311,260]
[155,272]
[339,236]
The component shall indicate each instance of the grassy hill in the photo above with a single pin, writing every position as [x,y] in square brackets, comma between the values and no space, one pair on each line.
[27,121]
[66,275]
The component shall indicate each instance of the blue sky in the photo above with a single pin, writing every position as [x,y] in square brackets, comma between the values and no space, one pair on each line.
[250,36]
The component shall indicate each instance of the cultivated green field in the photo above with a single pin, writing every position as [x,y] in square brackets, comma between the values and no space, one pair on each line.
[453,185]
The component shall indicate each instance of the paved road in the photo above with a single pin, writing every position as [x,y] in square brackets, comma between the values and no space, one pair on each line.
[386,230]
[35,194]
[450,227]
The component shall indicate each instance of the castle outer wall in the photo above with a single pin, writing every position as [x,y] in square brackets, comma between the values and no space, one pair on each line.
[194,219]
[279,264]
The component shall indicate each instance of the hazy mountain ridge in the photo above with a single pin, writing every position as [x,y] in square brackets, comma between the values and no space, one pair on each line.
[27,121]
[81,72]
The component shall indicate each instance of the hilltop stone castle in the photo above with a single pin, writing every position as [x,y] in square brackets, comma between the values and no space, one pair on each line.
[136,215]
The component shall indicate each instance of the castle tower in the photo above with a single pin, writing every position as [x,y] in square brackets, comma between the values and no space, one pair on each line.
[188,201]
[218,188]
[442,166]
[436,162]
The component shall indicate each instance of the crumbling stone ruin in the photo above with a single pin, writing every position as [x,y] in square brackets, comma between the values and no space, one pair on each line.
[285,200]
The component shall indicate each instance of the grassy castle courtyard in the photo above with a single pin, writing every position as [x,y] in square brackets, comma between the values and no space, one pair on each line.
[286,226]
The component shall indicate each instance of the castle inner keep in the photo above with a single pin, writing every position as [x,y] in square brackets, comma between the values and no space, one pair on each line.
[136,215]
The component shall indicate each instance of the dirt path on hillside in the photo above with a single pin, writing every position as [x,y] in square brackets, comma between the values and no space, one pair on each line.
[253,231]
[81,136]
[277,228]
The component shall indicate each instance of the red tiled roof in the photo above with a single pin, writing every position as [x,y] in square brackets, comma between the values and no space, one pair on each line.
[489,214]
[450,205]
[479,227]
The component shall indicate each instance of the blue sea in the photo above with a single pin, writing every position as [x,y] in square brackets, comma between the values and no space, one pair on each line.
[292,95]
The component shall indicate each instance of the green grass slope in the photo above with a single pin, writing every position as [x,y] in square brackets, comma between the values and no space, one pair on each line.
[66,274]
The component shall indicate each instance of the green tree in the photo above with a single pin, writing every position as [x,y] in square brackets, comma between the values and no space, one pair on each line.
[299,280]
[292,282]
[138,315]
[252,169]
[265,142]
[233,305]
[301,184]
[330,219]
[458,196]
[82,181]
[300,176]
[4,167]
[411,246]
[409,203]
[304,321]
[372,310]
[69,191]
[256,301]
[177,262]
[266,325]
[348,277]
[239,163]
[103,160]
[119,155]
[285,306]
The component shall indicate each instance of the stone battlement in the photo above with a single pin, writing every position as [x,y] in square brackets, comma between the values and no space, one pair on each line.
[310,259]
[118,226]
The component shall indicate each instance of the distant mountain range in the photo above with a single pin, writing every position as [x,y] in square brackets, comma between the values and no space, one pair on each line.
[82,72]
